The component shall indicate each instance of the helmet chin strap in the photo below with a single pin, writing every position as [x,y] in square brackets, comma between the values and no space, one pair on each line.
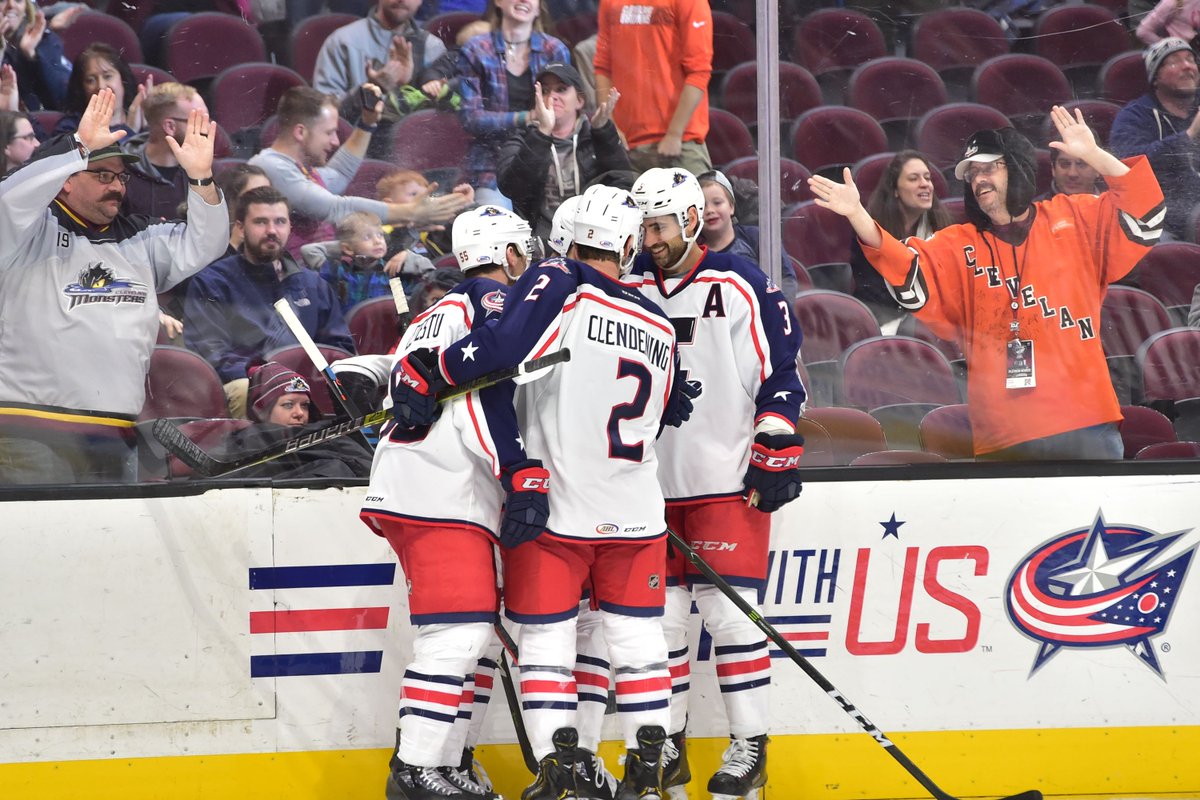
[691,244]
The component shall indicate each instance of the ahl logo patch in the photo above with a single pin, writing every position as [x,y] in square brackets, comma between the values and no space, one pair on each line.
[1099,587]
[97,284]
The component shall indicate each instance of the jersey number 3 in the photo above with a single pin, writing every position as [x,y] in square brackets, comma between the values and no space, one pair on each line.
[631,410]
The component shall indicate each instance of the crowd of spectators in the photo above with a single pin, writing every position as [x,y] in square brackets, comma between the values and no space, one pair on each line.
[545,116]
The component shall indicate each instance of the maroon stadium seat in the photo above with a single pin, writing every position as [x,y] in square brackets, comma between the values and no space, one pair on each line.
[733,41]
[1170,450]
[798,91]
[728,138]
[793,177]
[898,457]
[270,130]
[831,42]
[246,95]
[308,37]
[428,140]
[942,132]
[181,383]
[868,172]
[573,30]
[831,322]
[201,45]
[896,92]
[1169,362]
[372,323]
[210,434]
[1123,78]
[1079,38]
[446,26]
[901,423]
[816,235]
[851,432]
[828,138]
[1142,427]
[896,369]
[818,446]
[1170,272]
[956,40]
[1128,318]
[1021,86]
[94,26]
[142,72]
[365,180]
[946,430]
[1098,114]
[294,358]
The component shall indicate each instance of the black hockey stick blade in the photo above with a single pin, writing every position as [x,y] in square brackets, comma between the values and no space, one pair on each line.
[514,699]
[208,465]
[783,644]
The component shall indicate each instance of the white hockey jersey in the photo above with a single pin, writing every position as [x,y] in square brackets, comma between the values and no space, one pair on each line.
[739,339]
[593,420]
[448,472]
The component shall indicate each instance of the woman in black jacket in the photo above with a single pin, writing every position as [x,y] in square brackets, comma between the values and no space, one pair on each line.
[561,151]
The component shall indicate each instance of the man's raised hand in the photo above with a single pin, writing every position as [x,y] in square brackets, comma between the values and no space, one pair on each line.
[195,155]
[93,128]
[1078,141]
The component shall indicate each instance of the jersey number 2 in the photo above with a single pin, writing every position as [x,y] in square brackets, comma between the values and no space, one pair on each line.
[631,410]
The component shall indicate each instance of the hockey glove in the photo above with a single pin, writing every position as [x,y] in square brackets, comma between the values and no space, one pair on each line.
[527,504]
[416,380]
[775,469]
[679,404]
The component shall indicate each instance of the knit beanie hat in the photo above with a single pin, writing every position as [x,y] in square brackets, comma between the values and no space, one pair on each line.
[1157,53]
[269,382]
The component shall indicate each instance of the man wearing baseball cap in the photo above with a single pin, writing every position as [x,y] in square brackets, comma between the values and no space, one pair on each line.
[1019,286]
[558,155]
[78,296]
[1164,126]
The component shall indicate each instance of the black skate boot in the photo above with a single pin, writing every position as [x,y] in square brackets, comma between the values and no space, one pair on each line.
[743,771]
[644,766]
[676,772]
[407,782]
[555,778]
[592,778]
[470,777]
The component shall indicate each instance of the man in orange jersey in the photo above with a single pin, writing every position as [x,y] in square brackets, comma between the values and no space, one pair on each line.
[1019,286]
[661,67]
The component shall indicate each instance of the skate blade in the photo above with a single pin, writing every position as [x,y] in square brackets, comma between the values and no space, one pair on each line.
[750,795]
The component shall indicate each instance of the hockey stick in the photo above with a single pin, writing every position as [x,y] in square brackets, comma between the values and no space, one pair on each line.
[811,671]
[284,309]
[192,454]
[514,700]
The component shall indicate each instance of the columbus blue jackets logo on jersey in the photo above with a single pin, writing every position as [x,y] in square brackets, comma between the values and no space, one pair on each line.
[1100,586]
[493,302]
[557,263]
[96,283]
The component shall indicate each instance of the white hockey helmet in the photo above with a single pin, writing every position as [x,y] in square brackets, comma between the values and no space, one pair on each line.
[660,191]
[605,219]
[482,235]
[562,228]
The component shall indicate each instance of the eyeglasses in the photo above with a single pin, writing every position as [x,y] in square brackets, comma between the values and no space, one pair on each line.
[107,176]
[984,170]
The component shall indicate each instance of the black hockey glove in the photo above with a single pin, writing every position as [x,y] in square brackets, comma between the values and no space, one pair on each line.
[774,470]
[416,380]
[527,504]
[679,403]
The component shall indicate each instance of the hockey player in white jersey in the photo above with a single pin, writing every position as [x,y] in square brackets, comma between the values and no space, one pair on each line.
[738,344]
[436,493]
[594,422]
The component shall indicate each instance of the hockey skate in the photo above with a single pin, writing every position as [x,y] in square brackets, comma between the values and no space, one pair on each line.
[406,782]
[470,777]
[676,772]
[644,766]
[555,778]
[743,771]
[592,778]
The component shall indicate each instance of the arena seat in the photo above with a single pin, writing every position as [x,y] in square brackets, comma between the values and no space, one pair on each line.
[831,322]
[946,430]
[308,37]
[1170,271]
[733,42]
[793,177]
[1128,317]
[942,132]
[246,95]
[728,138]
[372,324]
[1023,87]
[896,457]
[1169,450]
[429,139]
[574,29]
[901,423]
[818,445]
[201,45]
[1098,114]
[446,26]
[369,173]
[831,42]
[94,26]
[180,383]
[868,171]
[1142,427]
[142,72]
[896,92]
[816,235]
[210,434]
[852,432]
[896,369]
[1169,362]
[956,40]
[798,92]
[827,138]
[1079,38]
[1122,78]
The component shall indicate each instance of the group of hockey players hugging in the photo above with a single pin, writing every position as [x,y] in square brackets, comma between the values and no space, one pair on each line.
[577,470]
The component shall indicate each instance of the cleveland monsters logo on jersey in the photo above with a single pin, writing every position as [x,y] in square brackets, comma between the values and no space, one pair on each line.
[97,284]
[1100,586]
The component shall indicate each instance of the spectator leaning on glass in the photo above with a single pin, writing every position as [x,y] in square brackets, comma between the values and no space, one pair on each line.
[1164,126]
[300,165]
[1019,286]
[78,296]
[560,154]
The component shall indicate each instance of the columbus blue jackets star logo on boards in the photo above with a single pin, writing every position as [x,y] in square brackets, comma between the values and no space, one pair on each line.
[1098,587]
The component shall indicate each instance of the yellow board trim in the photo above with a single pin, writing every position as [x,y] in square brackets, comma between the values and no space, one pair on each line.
[1159,761]
[112,422]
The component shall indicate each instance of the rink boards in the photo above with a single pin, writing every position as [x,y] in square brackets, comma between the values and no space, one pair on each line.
[1008,634]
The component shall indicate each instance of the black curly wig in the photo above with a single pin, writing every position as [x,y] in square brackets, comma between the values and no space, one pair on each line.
[1021,159]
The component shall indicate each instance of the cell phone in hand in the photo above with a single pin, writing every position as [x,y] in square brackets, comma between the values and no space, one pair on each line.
[368,96]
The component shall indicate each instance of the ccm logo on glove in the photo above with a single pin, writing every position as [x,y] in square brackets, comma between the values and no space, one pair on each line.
[775,460]
[533,483]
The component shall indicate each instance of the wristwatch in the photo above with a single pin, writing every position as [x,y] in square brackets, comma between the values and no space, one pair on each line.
[83,148]
[200,181]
